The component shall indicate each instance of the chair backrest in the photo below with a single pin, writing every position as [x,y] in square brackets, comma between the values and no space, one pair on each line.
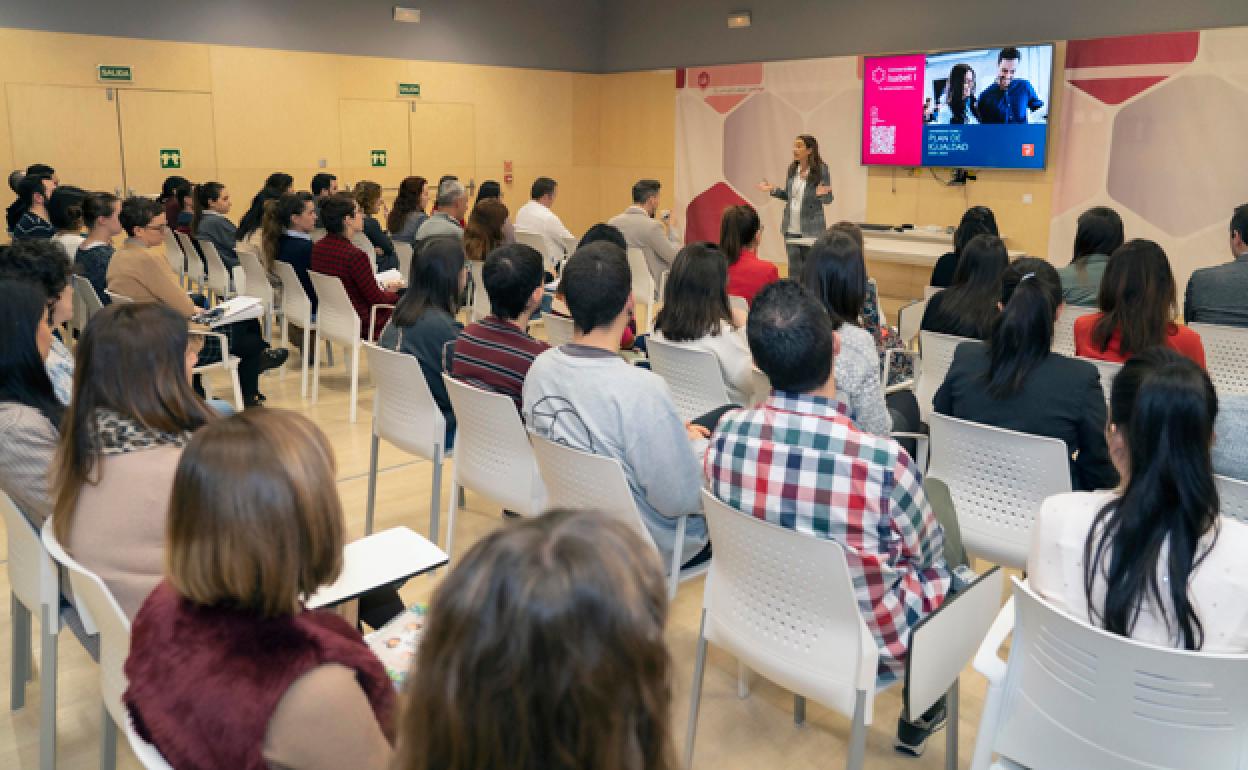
[1064,328]
[643,282]
[403,250]
[1233,495]
[335,315]
[576,479]
[194,263]
[84,291]
[480,300]
[1226,356]
[537,241]
[784,604]
[295,303]
[147,754]
[909,318]
[218,277]
[173,252]
[1076,696]
[361,242]
[559,330]
[404,412]
[1107,370]
[931,291]
[33,577]
[694,377]
[935,359]
[100,614]
[256,278]
[493,455]
[997,478]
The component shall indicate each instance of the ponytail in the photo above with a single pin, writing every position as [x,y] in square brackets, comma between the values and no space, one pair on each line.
[205,194]
[1022,334]
[738,229]
[277,214]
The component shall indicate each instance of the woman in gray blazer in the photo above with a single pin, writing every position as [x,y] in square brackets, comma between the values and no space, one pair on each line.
[807,190]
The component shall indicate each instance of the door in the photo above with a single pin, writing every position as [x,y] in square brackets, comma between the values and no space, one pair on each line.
[166,133]
[72,129]
[374,141]
[444,141]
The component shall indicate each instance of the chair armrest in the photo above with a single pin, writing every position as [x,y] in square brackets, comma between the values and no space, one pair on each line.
[987,661]
[372,320]
[225,343]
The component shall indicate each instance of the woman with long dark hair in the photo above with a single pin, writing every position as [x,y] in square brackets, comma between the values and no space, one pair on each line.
[175,196]
[807,189]
[424,322]
[969,307]
[1138,306]
[30,414]
[1015,381]
[1098,234]
[408,212]
[958,104]
[1153,559]
[977,220]
[209,221]
[275,186]
[368,195]
[484,230]
[739,234]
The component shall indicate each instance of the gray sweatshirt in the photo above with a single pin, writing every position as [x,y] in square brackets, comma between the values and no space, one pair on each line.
[1230,448]
[594,401]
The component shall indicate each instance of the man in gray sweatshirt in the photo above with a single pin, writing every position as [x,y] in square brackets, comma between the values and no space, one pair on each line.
[585,396]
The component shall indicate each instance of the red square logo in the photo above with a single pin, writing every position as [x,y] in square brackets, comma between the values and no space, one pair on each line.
[1029,151]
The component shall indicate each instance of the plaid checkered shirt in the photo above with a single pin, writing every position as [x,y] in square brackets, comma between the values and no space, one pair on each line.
[799,461]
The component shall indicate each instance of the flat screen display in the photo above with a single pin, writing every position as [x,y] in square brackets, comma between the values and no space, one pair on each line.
[986,108]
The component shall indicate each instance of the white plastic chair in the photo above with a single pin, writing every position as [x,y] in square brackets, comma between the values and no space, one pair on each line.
[220,280]
[1226,356]
[115,297]
[559,330]
[480,300]
[936,356]
[196,273]
[405,415]
[1107,370]
[173,253]
[931,291]
[34,586]
[100,614]
[1075,697]
[403,251]
[1233,494]
[256,284]
[783,603]
[694,377]
[909,318]
[85,292]
[576,479]
[336,321]
[228,363]
[997,478]
[297,308]
[538,242]
[147,754]
[643,286]
[1064,328]
[361,242]
[493,456]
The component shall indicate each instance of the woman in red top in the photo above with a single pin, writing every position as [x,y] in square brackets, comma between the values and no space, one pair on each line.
[739,232]
[1138,305]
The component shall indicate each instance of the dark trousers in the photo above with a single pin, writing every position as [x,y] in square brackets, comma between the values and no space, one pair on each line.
[247,343]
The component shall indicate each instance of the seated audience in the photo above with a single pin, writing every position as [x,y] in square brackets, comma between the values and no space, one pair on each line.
[587,593]
[100,211]
[43,263]
[65,214]
[1015,381]
[484,231]
[288,236]
[1219,295]
[696,316]
[33,193]
[408,213]
[1098,234]
[275,186]
[491,190]
[1152,560]
[424,325]
[144,275]
[176,195]
[585,396]
[227,669]
[335,255]
[642,231]
[1137,309]
[323,185]
[133,412]
[15,210]
[536,217]
[212,203]
[804,443]
[978,220]
[609,234]
[1230,446]
[496,352]
[739,233]
[368,195]
[836,275]
[30,414]
[968,307]
[449,208]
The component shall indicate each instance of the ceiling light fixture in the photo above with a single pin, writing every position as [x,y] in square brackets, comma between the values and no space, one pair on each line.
[411,15]
[739,20]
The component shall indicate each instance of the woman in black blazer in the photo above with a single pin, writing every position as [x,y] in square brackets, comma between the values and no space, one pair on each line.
[970,306]
[1015,381]
[806,190]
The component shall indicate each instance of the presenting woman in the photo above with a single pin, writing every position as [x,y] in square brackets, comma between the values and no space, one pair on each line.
[807,191]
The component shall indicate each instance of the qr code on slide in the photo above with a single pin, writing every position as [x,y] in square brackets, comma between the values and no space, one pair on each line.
[883,140]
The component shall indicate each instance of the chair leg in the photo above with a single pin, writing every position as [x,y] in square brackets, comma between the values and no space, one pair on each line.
[303,365]
[316,376]
[20,669]
[951,728]
[673,579]
[108,740]
[373,451]
[452,506]
[329,353]
[858,734]
[435,497]
[695,694]
[743,680]
[799,710]
[355,379]
[47,691]
[238,388]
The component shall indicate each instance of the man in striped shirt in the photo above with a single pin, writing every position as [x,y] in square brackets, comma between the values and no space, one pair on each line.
[495,353]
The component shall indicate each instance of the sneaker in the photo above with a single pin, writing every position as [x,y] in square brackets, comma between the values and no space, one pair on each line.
[912,736]
[273,358]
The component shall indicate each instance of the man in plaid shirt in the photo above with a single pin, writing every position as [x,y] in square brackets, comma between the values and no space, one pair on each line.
[799,461]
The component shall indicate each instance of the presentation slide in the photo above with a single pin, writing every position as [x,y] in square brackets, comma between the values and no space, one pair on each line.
[987,108]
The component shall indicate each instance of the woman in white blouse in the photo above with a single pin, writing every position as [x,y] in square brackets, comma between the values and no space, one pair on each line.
[1152,560]
[696,314]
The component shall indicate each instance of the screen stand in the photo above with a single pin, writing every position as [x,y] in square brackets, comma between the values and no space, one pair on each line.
[960,177]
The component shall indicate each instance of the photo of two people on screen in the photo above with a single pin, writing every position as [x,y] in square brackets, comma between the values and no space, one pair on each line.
[953,96]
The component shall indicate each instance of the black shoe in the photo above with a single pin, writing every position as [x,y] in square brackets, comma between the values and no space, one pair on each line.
[273,358]
[912,736]
[510,514]
[254,402]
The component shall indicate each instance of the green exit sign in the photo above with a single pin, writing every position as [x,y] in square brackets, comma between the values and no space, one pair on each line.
[377,158]
[409,89]
[115,73]
[171,159]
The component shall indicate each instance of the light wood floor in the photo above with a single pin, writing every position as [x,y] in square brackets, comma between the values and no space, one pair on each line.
[757,732]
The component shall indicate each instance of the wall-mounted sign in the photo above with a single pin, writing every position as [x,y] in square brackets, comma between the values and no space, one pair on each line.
[377,158]
[171,159]
[115,73]
[409,89]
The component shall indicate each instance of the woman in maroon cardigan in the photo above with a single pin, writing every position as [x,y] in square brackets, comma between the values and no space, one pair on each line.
[335,255]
